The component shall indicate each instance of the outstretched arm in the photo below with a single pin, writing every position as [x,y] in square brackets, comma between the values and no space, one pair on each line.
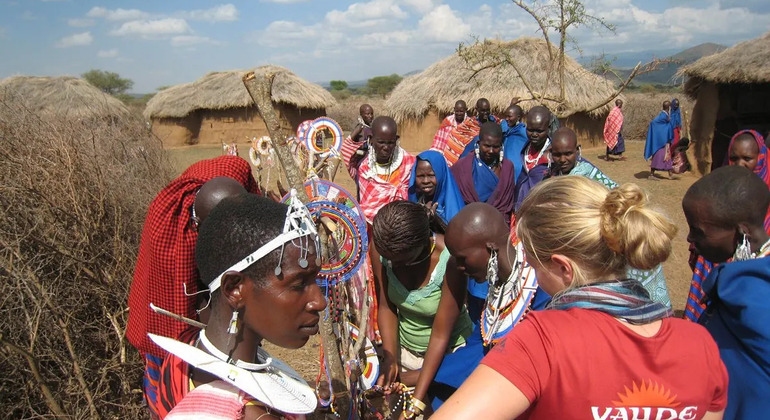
[388,322]
[452,300]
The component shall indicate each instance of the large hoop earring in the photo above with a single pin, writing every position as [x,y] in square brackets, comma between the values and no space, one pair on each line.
[492,268]
[743,250]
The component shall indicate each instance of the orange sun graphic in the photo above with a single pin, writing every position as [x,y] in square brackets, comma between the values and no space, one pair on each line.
[647,395]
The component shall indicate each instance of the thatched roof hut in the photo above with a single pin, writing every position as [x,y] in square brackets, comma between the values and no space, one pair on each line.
[419,102]
[217,107]
[732,92]
[64,96]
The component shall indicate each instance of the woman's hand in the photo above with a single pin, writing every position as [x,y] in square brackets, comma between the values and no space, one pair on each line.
[388,374]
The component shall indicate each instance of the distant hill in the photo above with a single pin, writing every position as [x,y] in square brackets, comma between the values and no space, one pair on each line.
[357,84]
[665,74]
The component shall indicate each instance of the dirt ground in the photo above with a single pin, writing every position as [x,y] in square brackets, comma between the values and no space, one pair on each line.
[665,194]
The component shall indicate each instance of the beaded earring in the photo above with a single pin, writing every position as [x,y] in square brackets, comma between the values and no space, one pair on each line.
[492,268]
[233,328]
[743,251]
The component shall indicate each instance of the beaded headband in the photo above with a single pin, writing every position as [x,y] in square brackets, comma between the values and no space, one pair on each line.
[298,225]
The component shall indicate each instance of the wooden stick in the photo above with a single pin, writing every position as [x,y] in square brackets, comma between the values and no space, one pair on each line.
[260,90]
[170,314]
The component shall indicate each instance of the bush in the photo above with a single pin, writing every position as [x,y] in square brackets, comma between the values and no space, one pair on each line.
[73,197]
[345,112]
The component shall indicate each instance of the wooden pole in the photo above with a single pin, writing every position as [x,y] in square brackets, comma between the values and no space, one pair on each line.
[260,89]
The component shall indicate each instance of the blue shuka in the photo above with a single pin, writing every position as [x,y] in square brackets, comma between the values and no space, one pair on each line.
[659,134]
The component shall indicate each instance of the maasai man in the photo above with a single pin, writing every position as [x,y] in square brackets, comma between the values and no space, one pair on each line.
[658,146]
[165,273]
[261,273]
[383,175]
[676,121]
[613,136]
[746,149]
[357,143]
[485,175]
[433,186]
[566,160]
[514,137]
[535,153]
[448,124]
[725,226]
[467,131]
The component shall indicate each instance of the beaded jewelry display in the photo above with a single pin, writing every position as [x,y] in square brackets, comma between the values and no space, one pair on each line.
[319,124]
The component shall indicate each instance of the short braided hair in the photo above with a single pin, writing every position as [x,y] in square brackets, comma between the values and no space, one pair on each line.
[400,227]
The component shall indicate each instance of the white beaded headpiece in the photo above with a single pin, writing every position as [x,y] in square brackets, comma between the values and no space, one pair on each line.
[299,225]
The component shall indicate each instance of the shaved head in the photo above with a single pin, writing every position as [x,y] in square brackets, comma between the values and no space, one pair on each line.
[538,121]
[476,229]
[565,137]
[666,105]
[214,191]
[367,113]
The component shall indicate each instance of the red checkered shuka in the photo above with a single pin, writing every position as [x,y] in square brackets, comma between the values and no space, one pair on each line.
[459,137]
[442,135]
[376,192]
[612,127]
[166,258]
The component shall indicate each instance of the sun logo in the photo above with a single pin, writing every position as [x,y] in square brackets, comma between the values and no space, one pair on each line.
[649,394]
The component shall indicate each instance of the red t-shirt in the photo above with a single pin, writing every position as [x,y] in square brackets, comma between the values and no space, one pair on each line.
[584,364]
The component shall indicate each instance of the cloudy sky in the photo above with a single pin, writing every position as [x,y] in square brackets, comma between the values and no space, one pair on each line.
[159,43]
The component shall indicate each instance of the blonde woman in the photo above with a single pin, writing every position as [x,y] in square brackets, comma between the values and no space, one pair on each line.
[605,350]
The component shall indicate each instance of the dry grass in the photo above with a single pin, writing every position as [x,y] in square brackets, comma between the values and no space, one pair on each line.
[73,196]
[640,108]
[345,112]
[224,90]
[63,97]
[746,62]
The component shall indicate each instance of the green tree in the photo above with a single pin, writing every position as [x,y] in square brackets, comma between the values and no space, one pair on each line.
[382,85]
[338,84]
[109,82]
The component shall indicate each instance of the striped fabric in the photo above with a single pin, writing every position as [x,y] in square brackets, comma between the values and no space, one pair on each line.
[442,135]
[150,381]
[695,305]
[459,137]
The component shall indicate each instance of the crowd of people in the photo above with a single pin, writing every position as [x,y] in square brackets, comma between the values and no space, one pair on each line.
[512,279]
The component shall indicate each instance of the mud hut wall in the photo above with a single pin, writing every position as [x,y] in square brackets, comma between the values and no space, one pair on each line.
[704,116]
[175,132]
[589,130]
[295,116]
[417,136]
[234,125]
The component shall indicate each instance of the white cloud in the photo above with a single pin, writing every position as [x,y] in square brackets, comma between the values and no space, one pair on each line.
[80,23]
[284,33]
[150,28]
[117,14]
[189,40]
[366,15]
[108,53]
[221,13]
[421,6]
[75,40]
[442,24]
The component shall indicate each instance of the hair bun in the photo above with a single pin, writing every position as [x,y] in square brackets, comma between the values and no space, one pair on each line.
[614,211]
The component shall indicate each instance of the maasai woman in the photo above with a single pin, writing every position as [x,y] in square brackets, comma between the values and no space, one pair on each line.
[422,300]
[738,292]
[747,149]
[676,122]
[658,146]
[432,185]
[605,350]
[486,176]
[258,258]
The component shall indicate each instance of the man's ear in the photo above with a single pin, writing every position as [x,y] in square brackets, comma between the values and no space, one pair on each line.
[232,288]
[491,246]
[562,269]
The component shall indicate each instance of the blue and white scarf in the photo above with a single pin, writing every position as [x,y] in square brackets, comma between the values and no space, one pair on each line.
[624,299]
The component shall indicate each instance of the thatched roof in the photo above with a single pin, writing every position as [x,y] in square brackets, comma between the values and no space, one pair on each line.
[747,62]
[62,96]
[443,83]
[224,90]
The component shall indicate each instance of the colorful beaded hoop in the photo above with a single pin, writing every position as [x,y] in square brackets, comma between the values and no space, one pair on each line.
[317,125]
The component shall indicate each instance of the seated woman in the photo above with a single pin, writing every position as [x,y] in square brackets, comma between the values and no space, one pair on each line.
[680,163]
[747,149]
[604,350]
[261,271]
[738,292]
[486,176]
[433,186]
[422,314]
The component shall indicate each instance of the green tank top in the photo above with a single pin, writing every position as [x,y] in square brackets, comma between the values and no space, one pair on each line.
[417,308]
